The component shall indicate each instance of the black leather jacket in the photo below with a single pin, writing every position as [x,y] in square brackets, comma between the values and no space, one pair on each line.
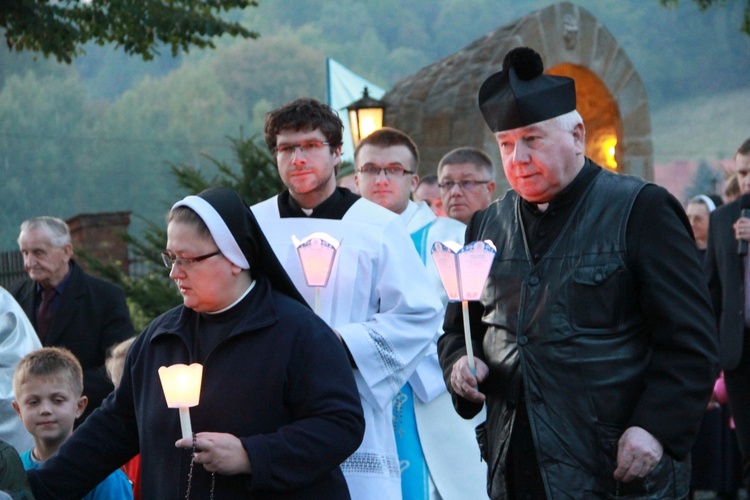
[568,331]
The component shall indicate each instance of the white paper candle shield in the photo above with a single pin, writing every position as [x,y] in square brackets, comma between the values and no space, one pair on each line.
[316,253]
[182,389]
[463,271]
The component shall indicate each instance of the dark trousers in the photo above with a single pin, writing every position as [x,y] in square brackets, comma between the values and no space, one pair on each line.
[523,476]
[738,390]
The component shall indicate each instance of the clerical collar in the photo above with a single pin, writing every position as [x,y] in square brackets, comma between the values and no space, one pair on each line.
[334,207]
[252,285]
[572,191]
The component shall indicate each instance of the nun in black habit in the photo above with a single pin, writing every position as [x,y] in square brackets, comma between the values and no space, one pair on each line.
[279,408]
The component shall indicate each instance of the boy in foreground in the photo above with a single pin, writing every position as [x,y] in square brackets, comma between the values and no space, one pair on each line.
[48,385]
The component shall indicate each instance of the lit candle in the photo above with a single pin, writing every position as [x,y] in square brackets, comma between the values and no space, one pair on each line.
[182,389]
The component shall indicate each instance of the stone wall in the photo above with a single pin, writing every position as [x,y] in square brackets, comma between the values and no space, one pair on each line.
[437,105]
[100,235]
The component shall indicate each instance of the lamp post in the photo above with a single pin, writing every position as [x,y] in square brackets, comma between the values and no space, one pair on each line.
[365,116]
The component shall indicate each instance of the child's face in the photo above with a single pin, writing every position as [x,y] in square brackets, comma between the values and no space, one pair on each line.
[48,407]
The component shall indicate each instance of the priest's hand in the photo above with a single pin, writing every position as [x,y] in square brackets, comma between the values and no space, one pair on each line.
[218,452]
[638,453]
[464,383]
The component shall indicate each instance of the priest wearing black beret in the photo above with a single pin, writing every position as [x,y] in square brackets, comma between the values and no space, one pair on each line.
[594,341]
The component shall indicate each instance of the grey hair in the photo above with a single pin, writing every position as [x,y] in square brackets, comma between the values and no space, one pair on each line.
[569,120]
[474,156]
[57,229]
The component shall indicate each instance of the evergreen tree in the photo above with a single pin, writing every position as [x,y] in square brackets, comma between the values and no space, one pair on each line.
[151,293]
[705,181]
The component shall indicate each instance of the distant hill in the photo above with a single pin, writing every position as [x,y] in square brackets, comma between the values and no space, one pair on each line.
[101,134]
[698,131]
[702,128]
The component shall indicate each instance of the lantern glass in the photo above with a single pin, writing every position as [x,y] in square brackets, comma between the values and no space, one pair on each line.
[354,126]
[368,121]
[365,116]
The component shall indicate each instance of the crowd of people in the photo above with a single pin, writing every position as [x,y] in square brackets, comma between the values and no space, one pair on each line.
[608,342]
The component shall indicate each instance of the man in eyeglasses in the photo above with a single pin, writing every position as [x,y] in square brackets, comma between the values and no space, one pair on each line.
[437,447]
[378,299]
[466,181]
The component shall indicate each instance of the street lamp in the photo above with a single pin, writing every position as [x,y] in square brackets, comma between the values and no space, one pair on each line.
[365,117]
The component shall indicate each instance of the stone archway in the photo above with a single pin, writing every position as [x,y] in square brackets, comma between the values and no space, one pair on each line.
[600,114]
[437,105]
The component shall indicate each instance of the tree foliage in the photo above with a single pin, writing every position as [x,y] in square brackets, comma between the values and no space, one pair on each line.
[252,174]
[60,28]
[41,126]
[706,4]
[705,181]
[98,135]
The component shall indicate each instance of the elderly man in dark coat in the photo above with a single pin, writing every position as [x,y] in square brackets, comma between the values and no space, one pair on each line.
[68,307]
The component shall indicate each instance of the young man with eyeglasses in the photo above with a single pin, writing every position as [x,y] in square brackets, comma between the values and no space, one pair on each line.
[437,446]
[465,178]
[379,299]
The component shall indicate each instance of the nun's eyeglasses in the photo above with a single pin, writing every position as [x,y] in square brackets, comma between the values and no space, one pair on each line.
[170,260]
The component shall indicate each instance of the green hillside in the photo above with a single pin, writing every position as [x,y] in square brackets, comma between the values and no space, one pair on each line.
[101,134]
[701,128]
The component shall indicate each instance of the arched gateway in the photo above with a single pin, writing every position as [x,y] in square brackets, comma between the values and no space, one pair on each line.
[438,107]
